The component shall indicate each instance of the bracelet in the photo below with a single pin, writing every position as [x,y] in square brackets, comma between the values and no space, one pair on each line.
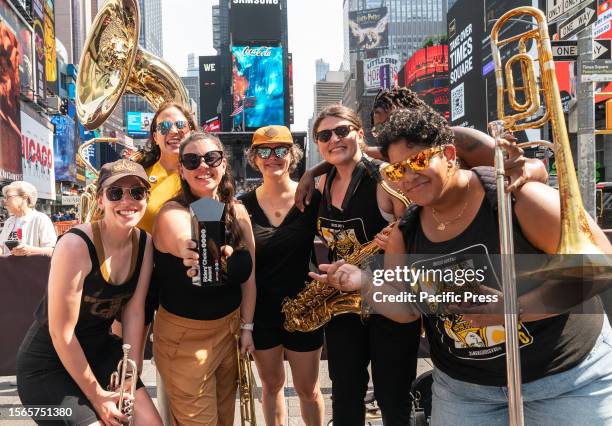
[247,326]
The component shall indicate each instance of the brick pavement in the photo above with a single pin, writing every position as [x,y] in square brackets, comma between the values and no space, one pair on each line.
[8,394]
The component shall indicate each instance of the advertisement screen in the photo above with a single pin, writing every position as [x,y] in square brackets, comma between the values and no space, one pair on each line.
[255,21]
[38,16]
[257,86]
[426,73]
[25,54]
[373,69]
[369,29]
[10,120]
[139,123]
[468,106]
[37,156]
[64,148]
[210,86]
[50,55]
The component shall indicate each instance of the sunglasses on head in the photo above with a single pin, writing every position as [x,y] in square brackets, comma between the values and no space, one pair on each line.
[265,152]
[115,193]
[164,127]
[192,161]
[418,162]
[340,131]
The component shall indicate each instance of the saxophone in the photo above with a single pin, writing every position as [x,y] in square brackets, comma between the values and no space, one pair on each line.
[318,302]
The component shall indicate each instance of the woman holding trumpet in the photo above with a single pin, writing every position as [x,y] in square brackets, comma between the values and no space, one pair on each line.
[97,270]
[195,327]
[566,356]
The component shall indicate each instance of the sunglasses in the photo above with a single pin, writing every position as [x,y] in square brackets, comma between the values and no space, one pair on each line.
[265,152]
[164,127]
[418,162]
[115,193]
[211,159]
[340,131]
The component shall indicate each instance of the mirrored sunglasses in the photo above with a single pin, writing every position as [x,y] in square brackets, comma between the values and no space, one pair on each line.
[192,161]
[265,152]
[418,162]
[164,127]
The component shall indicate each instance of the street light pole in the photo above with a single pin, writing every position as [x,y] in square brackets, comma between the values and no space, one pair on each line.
[586,124]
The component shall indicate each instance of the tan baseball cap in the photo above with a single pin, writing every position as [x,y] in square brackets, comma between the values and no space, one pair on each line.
[112,172]
[272,134]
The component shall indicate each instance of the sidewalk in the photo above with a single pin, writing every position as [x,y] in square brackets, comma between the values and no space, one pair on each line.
[8,394]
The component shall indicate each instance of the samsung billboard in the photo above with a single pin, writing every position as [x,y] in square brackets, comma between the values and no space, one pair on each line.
[255,21]
[257,86]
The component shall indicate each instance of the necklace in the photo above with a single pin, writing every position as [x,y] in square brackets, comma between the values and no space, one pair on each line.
[443,224]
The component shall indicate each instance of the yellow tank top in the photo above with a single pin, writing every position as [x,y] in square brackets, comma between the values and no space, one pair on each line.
[164,186]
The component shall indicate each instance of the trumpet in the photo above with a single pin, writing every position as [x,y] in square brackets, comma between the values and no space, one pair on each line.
[126,369]
[246,380]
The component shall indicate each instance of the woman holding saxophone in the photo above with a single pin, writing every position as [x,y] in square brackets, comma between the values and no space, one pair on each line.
[565,357]
[347,221]
[195,327]
[283,247]
[97,270]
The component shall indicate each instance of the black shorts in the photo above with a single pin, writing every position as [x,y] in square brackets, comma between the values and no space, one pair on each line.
[43,380]
[268,336]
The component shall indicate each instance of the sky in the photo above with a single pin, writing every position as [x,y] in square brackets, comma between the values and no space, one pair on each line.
[315,32]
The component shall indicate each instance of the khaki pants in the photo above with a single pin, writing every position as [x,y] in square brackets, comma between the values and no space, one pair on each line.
[197,362]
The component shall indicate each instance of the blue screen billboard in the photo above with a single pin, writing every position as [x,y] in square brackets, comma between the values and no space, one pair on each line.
[257,86]
[139,123]
[64,148]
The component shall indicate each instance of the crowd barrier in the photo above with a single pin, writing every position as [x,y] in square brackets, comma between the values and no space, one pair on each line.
[62,227]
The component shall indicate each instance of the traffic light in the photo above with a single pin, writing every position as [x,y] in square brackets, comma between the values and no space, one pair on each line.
[64,107]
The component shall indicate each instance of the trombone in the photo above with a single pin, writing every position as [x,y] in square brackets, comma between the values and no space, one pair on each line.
[576,234]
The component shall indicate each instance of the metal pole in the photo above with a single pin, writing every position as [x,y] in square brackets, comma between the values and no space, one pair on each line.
[511,315]
[586,125]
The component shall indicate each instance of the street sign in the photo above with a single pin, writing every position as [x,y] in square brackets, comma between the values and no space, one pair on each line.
[596,70]
[578,22]
[558,9]
[602,49]
[564,50]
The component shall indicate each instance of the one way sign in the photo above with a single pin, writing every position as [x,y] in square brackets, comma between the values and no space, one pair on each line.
[602,49]
[579,21]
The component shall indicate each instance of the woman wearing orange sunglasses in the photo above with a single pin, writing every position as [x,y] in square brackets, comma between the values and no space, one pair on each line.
[565,355]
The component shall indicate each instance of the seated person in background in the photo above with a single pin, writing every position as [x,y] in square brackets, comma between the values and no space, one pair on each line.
[30,231]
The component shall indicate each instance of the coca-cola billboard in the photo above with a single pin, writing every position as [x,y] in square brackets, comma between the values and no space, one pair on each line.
[255,21]
[256,51]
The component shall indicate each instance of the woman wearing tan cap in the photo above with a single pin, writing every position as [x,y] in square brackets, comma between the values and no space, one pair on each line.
[283,245]
[97,270]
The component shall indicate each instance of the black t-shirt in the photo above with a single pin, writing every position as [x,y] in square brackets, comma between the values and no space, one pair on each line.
[348,229]
[477,355]
[282,255]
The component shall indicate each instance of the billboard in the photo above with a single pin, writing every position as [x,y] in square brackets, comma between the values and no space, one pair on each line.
[37,156]
[139,123]
[49,42]
[210,86]
[253,21]
[38,19]
[376,70]
[10,120]
[426,73]
[23,34]
[467,89]
[64,148]
[257,86]
[368,29]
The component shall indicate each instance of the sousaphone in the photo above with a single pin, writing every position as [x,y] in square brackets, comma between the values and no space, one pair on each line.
[112,63]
